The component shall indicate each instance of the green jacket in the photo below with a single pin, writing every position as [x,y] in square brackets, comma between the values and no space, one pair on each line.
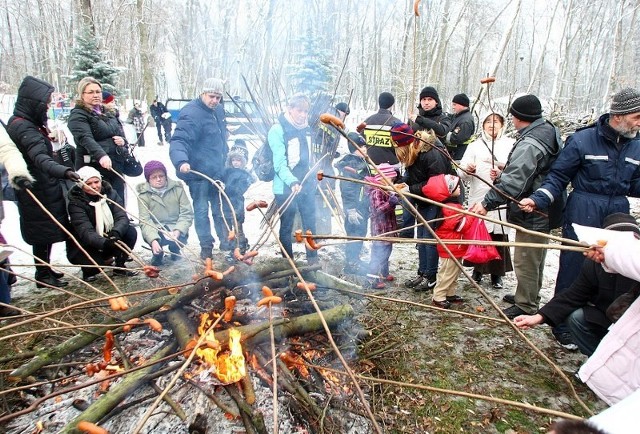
[173,210]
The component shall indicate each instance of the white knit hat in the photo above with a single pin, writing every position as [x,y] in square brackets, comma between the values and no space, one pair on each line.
[86,173]
[212,85]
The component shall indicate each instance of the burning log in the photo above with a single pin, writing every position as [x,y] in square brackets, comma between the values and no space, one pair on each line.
[243,274]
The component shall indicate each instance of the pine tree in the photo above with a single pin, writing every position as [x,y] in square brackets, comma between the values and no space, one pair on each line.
[90,61]
[313,73]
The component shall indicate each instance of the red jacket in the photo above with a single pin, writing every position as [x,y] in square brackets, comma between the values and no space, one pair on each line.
[455,225]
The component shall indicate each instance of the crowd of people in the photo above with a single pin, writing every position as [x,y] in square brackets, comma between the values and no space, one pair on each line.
[413,179]
[413,167]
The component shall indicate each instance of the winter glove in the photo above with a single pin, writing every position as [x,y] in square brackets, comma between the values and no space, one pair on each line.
[23,183]
[70,174]
[393,200]
[109,245]
[114,235]
[354,217]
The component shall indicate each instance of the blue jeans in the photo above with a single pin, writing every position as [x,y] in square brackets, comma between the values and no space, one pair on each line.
[587,336]
[204,194]
[427,253]
[304,203]
[353,248]
[5,287]
[380,253]
[408,219]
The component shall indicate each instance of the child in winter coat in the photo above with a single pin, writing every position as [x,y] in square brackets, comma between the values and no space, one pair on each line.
[355,202]
[455,226]
[383,220]
[237,180]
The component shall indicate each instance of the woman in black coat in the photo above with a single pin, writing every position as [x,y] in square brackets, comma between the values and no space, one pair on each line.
[28,130]
[98,135]
[98,224]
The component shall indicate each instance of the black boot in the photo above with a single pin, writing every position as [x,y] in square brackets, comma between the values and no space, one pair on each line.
[121,269]
[44,279]
[45,276]
[496,281]
[477,276]
[156,260]
[56,274]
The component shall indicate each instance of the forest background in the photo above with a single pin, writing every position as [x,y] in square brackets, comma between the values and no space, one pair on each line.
[572,53]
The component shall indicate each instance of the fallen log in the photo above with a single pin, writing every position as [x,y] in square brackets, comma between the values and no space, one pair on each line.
[117,393]
[252,420]
[81,340]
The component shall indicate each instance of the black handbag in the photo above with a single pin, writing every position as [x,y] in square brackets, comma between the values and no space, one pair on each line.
[130,164]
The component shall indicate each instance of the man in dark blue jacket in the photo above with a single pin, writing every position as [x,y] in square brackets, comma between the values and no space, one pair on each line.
[602,163]
[199,143]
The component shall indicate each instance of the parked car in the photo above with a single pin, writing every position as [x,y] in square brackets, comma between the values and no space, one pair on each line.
[174,106]
[242,115]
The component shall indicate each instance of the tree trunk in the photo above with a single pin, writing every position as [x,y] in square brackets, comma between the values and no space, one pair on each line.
[85,17]
[147,60]
[537,72]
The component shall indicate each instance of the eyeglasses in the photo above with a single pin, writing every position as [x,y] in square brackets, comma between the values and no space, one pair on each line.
[93,92]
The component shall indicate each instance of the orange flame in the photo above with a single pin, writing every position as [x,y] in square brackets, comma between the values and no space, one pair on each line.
[228,367]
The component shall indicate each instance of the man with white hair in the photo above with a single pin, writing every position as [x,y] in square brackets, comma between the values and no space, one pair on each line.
[602,163]
[199,143]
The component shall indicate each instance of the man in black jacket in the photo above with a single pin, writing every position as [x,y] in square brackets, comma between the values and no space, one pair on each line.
[462,127]
[584,304]
[162,118]
[377,131]
[430,115]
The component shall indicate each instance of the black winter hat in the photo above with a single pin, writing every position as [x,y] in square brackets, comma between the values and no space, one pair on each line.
[527,108]
[620,221]
[461,99]
[357,139]
[430,91]
[386,100]
[343,107]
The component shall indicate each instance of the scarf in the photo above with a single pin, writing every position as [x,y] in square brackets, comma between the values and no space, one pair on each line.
[104,217]
[159,191]
[295,125]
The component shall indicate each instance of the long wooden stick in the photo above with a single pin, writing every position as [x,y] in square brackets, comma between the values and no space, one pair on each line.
[475,284]
[454,392]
